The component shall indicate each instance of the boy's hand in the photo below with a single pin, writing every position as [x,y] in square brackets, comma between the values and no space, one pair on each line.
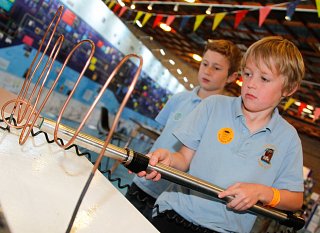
[158,156]
[245,195]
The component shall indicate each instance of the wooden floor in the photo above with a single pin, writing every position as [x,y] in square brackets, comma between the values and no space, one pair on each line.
[311,158]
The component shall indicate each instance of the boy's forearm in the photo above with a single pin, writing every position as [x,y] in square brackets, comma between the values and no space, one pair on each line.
[289,200]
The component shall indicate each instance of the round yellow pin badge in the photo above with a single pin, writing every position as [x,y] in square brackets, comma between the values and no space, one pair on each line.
[225,135]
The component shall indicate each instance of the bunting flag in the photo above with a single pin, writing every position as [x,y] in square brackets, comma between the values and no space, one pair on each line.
[218,18]
[116,8]
[123,9]
[170,19]
[138,16]
[199,19]
[318,7]
[184,22]
[301,107]
[289,103]
[111,4]
[239,16]
[291,7]
[263,13]
[316,114]
[146,18]
[157,21]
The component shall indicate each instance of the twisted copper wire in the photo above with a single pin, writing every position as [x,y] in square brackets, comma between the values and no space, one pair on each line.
[21,103]
[112,129]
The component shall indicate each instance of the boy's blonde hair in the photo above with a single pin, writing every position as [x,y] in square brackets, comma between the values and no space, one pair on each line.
[281,54]
[227,49]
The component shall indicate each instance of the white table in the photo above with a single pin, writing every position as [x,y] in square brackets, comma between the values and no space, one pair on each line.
[40,184]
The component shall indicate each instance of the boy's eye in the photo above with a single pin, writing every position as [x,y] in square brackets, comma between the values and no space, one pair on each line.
[246,74]
[265,79]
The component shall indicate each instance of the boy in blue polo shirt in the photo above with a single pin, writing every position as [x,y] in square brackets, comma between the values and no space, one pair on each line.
[219,66]
[240,144]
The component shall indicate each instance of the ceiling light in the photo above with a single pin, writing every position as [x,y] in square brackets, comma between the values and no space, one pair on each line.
[191,86]
[310,107]
[208,11]
[179,71]
[162,52]
[196,57]
[297,103]
[185,79]
[171,62]
[121,3]
[191,1]
[133,6]
[165,27]
[150,7]
[307,110]
[176,8]
[139,23]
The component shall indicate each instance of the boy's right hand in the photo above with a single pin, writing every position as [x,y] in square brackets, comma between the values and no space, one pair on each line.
[158,156]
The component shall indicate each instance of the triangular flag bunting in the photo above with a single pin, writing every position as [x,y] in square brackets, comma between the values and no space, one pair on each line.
[184,22]
[289,103]
[199,19]
[263,13]
[316,114]
[111,4]
[138,16]
[217,19]
[301,107]
[170,19]
[157,21]
[318,7]
[146,18]
[123,9]
[239,16]
[116,8]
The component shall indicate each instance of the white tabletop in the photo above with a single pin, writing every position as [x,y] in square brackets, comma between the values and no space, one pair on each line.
[40,184]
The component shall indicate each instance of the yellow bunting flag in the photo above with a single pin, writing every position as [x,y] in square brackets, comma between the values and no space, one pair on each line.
[111,4]
[146,18]
[288,104]
[217,19]
[199,19]
[318,7]
[138,16]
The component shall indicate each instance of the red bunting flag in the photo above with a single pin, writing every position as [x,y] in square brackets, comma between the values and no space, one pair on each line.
[157,21]
[239,16]
[263,13]
[301,107]
[316,114]
[116,8]
[170,19]
[123,9]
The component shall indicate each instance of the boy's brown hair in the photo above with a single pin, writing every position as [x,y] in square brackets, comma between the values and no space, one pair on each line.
[281,54]
[229,50]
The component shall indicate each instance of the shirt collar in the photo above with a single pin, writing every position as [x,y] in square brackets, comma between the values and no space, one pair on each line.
[194,95]
[271,124]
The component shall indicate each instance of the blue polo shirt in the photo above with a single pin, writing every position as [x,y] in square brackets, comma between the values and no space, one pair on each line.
[226,153]
[177,107]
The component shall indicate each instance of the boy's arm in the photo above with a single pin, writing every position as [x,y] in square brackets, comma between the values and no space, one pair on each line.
[247,194]
[180,160]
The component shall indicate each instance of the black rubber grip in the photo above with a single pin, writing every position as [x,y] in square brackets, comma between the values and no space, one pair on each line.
[139,163]
[293,221]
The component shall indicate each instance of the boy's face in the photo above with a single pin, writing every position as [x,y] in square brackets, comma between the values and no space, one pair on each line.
[262,88]
[213,71]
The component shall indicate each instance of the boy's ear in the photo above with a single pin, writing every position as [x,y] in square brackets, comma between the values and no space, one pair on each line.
[286,94]
[232,77]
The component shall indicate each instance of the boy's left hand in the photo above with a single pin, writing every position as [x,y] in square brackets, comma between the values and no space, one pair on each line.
[245,195]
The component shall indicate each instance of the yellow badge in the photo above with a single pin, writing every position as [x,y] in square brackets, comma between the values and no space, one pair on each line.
[225,135]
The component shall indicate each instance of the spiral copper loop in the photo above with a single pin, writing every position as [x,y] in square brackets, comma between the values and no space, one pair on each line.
[22,107]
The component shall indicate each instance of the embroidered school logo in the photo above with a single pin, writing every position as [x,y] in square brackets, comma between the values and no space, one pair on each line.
[265,159]
[225,135]
[177,116]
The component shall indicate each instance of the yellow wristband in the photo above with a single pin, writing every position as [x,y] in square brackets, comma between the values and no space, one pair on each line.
[276,198]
